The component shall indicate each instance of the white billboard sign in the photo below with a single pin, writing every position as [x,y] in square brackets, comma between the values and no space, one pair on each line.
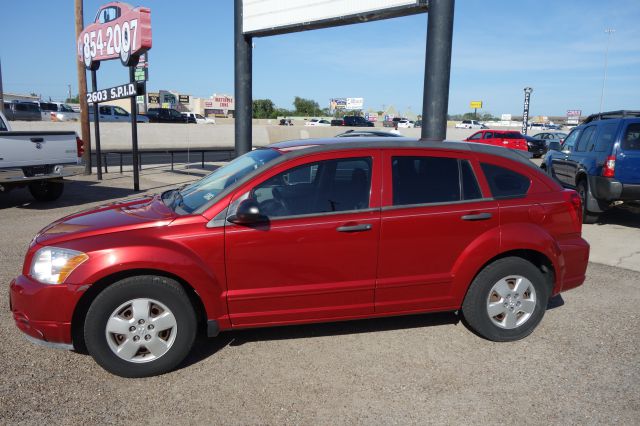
[266,17]
[354,103]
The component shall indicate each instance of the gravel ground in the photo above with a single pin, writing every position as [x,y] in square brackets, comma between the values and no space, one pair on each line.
[581,365]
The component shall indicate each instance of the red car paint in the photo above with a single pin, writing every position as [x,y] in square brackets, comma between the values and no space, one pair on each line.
[505,138]
[419,258]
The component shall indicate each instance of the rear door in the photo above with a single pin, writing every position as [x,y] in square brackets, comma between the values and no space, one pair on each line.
[628,156]
[433,210]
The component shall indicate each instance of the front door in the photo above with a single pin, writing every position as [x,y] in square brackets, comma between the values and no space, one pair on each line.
[315,258]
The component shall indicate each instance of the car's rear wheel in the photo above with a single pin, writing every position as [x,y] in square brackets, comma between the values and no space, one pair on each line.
[583,191]
[140,326]
[46,190]
[506,300]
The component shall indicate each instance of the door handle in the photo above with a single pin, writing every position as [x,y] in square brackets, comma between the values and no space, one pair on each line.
[354,228]
[36,140]
[477,216]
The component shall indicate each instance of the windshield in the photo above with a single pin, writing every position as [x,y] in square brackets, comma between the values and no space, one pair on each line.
[194,196]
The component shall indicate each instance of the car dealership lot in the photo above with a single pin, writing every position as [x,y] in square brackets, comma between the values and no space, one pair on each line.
[580,366]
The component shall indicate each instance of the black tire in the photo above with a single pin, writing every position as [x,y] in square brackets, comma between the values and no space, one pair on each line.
[587,216]
[475,309]
[161,289]
[46,190]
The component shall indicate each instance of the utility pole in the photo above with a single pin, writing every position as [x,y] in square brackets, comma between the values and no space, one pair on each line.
[1,91]
[69,97]
[82,92]
[609,31]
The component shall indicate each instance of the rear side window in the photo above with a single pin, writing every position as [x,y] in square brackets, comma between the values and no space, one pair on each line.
[586,138]
[425,180]
[505,183]
[631,140]
[511,135]
[605,138]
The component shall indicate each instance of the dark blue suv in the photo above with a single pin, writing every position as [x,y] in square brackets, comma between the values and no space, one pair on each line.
[601,160]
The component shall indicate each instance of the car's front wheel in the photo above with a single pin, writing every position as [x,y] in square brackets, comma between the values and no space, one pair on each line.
[506,300]
[140,326]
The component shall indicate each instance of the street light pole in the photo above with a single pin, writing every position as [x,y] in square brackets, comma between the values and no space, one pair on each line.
[609,31]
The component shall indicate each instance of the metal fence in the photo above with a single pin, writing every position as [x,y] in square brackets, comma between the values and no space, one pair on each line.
[161,157]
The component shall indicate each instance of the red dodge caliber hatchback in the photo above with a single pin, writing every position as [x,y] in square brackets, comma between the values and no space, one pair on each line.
[504,138]
[303,232]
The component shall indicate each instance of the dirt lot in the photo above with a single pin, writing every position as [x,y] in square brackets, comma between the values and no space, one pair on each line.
[581,366]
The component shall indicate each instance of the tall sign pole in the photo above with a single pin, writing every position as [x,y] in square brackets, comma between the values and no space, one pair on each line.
[1,91]
[437,70]
[134,132]
[82,95]
[96,124]
[525,112]
[243,85]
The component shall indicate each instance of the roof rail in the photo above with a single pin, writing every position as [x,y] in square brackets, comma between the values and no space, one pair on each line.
[623,113]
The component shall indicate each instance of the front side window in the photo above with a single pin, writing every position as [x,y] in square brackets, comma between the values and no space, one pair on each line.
[426,180]
[321,187]
[570,141]
[120,111]
[505,183]
[475,136]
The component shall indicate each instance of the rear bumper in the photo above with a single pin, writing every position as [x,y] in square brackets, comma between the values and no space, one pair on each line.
[610,189]
[16,175]
[575,256]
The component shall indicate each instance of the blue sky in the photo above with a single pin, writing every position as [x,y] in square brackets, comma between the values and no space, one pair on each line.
[499,47]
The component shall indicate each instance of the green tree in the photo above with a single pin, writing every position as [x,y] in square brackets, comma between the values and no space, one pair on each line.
[74,100]
[305,107]
[263,108]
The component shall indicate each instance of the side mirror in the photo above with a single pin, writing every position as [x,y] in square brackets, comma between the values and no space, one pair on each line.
[248,213]
[554,146]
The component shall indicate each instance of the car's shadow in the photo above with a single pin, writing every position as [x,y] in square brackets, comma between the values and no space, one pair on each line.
[624,215]
[205,347]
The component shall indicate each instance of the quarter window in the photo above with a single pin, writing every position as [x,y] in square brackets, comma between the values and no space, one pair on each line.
[316,188]
[505,183]
[631,140]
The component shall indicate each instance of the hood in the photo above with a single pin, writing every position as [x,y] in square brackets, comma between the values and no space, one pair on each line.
[115,217]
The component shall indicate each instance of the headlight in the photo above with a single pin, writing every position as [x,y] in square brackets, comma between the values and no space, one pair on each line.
[51,265]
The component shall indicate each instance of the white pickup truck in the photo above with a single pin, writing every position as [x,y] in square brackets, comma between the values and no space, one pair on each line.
[38,160]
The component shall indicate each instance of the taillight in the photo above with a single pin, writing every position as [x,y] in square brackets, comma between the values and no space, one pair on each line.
[609,169]
[80,145]
[575,207]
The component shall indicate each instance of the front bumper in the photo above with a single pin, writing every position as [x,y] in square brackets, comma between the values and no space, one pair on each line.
[43,312]
[610,189]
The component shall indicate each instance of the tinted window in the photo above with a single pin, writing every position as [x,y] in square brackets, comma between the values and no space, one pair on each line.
[3,126]
[585,139]
[28,107]
[510,135]
[105,110]
[421,180]
[504,182]
[315,188]
[470,188]
[631,140]
[488,135]
[47,106]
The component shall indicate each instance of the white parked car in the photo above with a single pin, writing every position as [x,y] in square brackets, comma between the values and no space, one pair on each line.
[318,122]
[58,111]
[200,119]
[406,124]
[470,124]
